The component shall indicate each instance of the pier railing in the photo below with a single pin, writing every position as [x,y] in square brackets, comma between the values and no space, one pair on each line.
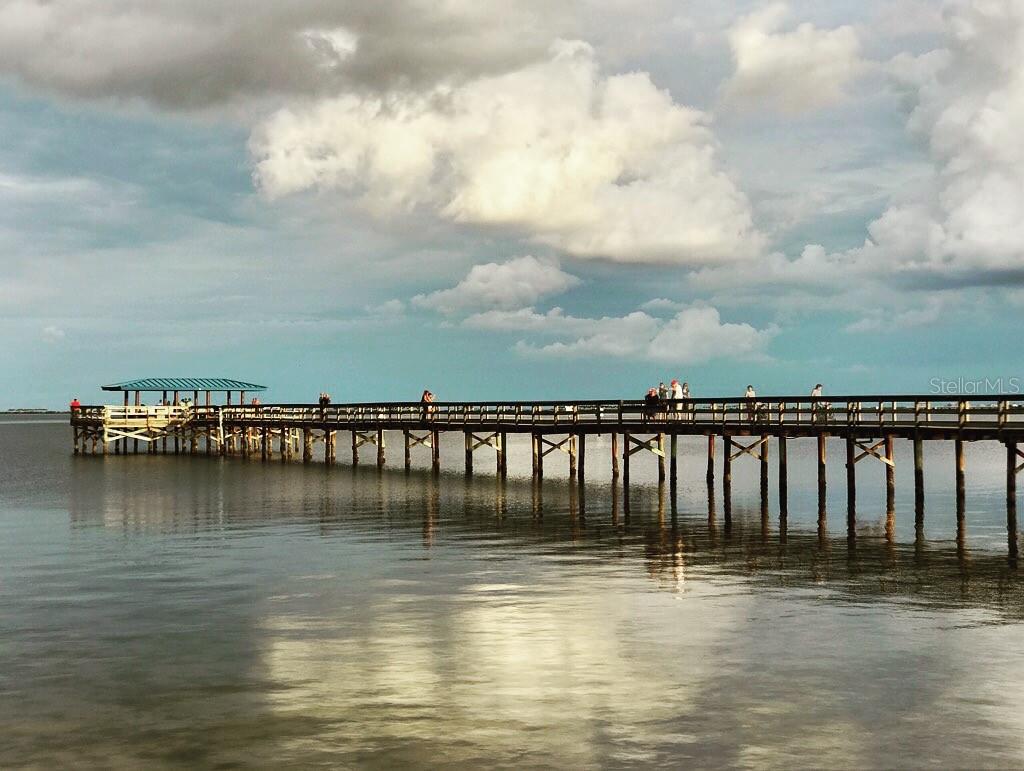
[821,413]
[825,412]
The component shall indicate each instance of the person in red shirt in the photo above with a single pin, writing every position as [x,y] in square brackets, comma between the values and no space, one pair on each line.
[75,405]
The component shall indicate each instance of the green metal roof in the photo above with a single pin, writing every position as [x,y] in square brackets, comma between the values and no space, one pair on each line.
[184,384]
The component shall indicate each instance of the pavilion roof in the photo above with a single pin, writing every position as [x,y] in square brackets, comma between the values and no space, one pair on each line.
[184,384]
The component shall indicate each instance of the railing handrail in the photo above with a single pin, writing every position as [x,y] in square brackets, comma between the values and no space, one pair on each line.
[709,400]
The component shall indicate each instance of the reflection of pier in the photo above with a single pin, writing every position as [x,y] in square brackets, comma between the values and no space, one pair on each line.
[745,428]
[671,547]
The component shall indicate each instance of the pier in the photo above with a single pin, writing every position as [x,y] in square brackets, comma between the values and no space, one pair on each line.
[746,430]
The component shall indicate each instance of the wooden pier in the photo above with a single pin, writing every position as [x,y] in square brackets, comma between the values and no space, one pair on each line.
[743,428]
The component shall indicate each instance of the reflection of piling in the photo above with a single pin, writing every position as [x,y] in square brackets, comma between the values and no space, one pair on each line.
[711,459]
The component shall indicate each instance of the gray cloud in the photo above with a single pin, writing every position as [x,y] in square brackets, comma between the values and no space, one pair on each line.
[185,54]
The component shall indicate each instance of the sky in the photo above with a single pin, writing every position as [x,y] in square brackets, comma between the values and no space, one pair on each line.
[510,200]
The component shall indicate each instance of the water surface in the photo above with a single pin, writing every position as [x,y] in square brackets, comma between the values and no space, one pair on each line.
[174,611]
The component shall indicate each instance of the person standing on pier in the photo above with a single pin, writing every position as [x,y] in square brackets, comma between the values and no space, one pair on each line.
[426,400]
[677,395]
[651,403]
[819,411]
[662,390]
[75,406]
[750,396]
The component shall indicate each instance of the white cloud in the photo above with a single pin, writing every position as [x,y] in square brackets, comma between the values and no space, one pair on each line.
[662,305]
[53,334]
[965,225]
[929,313]
[595,166]
[695,334]
[518,282]
[387,309]
[790,71]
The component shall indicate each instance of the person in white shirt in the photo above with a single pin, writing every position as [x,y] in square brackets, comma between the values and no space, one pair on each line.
[818,411]
[677,394]
[751,404]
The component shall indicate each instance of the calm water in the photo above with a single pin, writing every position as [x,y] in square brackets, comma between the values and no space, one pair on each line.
[166,611]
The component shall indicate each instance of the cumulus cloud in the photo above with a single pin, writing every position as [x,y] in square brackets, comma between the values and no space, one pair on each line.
[693,335]
[790,71]
[969,107]
[518,282]
[594,165]
[962,225]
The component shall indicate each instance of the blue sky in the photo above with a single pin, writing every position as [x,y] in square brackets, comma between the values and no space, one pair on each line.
[502,201]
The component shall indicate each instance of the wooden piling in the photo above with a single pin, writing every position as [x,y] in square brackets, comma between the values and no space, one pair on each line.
[851,481]
[503,456]
[711,460]
[380,448]
[540,456]
[307,445]
[435,451]
[890,474]
[408,453]
[918,481]
[572,456]
[582,459]
[673,465]
[764,469]
[1011,500]
[726,468]
[355,448]
[822,478]
[625,463]
[615,455]
[469,453]
[661,458]
[960,483]
[783,480]
[264,442]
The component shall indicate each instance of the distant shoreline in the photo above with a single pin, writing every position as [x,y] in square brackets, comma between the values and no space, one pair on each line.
[32,411]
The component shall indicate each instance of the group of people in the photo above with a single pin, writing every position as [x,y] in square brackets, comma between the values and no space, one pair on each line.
[656,398]
[655,402]
[675,391]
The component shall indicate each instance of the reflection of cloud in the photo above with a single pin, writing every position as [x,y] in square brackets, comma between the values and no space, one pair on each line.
[496,660]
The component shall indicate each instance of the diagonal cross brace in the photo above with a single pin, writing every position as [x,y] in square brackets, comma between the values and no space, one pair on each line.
[553,446]
[754,449]
[651,445]
[489,440]
[427,440]
[873,452]
[362,438]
